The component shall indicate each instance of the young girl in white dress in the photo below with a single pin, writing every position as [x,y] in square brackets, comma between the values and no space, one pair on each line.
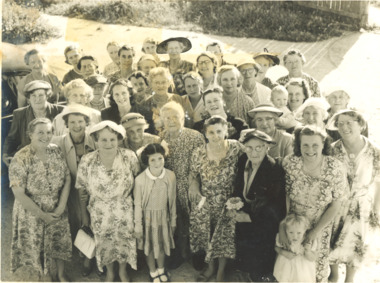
[295,263]
[155,210]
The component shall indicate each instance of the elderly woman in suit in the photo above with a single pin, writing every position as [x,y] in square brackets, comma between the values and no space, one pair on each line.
[260,183]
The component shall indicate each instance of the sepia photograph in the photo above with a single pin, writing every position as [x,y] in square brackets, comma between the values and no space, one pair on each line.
[190,141]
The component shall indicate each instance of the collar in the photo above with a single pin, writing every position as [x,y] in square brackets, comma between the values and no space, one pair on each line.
[154,178]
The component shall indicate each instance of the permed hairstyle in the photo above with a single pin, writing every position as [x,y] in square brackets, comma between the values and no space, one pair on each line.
[311,130]
[87,57]
[66,118]
[121,82]
[225,68]
[151,149]
[353,114]
[211,56]
[295,52]
[33,124]
[77,83]
[126,48]
[137,75]
[213,120]
[300,83]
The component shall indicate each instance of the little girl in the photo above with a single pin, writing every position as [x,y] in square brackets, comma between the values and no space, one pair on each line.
[155,210]
[297,263]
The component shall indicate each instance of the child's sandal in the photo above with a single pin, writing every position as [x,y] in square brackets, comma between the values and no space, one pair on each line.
[164,277]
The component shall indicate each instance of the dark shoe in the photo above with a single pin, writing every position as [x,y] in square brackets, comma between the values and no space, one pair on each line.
[100,273]
[164,277]
[86,270]
[198,261]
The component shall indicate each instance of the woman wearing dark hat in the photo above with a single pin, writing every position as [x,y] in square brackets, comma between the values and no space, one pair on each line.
[249,69]
[174,47]
[135,125]
[120,101]
[294,61]
[98,83]
[74,145]
[266,60]
[260,184]
[107,176]
[264,118]
[37,92]
[72,55]
[207,64]
[126,56]
[36,61]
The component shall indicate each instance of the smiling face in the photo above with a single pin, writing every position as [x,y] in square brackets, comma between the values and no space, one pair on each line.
[77,96]
[205,66]
[348,127]
[147,65]
[113,53]
[256,150]
[248,71]
[312,116]
[73,57]
[107,141]
[76,124]
[296,97]
[295,233]
[294,65]
[36,63]
[126,59]
[192,87]
[265,122]
[311,147]
[41,136]
[135,134]
[156,162]
[38,99]
[216,133]
[150,48]
[173,121]
[174,49]
[120,94]
[214,103]
[160,84]
[279,99]
[338,101]
[229,82]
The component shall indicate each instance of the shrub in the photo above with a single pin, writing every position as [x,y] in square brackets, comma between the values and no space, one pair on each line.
[23,24]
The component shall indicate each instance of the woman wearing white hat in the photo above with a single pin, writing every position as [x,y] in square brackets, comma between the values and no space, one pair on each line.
[313,112]
[38,93]
[107,176]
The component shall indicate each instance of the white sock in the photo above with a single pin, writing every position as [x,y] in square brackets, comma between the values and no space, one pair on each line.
[160,270]
[154,274]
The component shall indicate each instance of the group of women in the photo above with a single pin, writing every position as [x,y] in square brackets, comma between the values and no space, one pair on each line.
[241,153]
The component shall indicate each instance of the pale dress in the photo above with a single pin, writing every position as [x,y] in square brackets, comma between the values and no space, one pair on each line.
[357,219]
[155,211]
[297,269]
[110,205]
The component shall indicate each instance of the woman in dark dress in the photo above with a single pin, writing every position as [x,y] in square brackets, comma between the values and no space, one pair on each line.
[260,183]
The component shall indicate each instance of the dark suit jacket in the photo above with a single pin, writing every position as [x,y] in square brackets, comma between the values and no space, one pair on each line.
[17,137]
[112,113]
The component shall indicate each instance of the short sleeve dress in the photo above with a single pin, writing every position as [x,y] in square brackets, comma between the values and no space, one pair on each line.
[311,196]
[111,205]
[35,243]
[357,220]
[211,230]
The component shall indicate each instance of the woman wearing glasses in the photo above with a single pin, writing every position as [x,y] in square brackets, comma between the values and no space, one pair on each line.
[360,212]
[206,65]
[260,184]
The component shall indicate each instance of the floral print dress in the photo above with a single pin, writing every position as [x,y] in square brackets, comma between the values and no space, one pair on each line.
[31,236]
[211,229]
[357,219]
[111,205]
[311,196]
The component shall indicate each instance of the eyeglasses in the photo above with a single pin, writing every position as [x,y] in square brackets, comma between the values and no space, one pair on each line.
[206,62]
[258,148]
[247,71]
[347,123]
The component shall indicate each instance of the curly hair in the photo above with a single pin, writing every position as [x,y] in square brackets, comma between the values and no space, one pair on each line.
[151,149]
[123,83]
[77,83]
[66,118]
[211,56]
[311,130]
[295,52]
[353,114]
[300,83]
[33,124]
[213,120]
[225,68]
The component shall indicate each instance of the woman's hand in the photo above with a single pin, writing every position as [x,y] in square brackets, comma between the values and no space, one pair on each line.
[48,217]
[58,211]
[7,159]
[194,194]
[311,236]
[241,216]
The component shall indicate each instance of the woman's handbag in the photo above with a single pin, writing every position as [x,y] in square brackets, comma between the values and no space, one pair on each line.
[85,242]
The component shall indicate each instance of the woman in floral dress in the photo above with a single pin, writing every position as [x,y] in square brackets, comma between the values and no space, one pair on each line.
[40,181]
[181,143]
[211,230]
[107,175]
[359,214]
[315,184]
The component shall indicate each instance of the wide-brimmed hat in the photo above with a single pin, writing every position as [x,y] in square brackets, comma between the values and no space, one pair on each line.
[273,56]
[76,109]
[100,126]
[37,84]
[247,61]
[316,102]
[133,119]
[162,47]
[331,123]
[246,135]
[265,107]
[96,79]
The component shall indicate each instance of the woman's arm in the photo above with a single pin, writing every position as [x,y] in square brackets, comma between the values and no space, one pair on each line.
[64,196]
[285,253]
[326,219]
[194,188]
[31,206]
